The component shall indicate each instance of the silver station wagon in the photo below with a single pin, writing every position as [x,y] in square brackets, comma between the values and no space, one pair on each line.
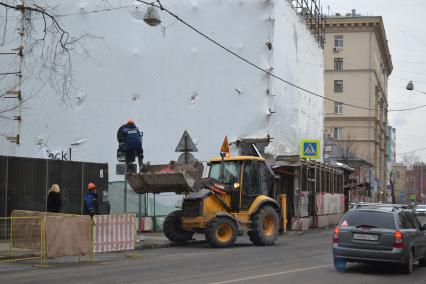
[379,234]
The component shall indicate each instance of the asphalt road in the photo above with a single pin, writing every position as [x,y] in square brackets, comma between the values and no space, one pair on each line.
[296,258]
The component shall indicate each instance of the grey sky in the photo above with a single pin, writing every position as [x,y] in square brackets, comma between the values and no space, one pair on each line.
[406,33]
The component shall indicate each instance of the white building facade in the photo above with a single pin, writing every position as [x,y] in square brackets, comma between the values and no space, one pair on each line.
[169,79]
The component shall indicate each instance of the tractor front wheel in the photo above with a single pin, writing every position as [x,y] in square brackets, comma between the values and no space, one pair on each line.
[221,232]
[264,226]
[173,229]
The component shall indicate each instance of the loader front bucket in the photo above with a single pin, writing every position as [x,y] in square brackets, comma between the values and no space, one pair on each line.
[178,178]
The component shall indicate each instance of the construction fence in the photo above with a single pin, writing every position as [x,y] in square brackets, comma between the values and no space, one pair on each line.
[39,235]
[25,182]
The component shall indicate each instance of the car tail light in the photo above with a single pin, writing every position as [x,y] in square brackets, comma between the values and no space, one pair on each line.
[398,240]
[336,235]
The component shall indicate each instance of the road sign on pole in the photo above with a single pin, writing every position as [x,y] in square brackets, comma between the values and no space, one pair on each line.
[310,149]
[224,150]
[186,144]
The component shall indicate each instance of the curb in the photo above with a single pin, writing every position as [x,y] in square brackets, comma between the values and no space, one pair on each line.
[154,246]
[311,230]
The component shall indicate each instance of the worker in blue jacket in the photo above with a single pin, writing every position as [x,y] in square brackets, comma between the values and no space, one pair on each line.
[130,141]
[91,201]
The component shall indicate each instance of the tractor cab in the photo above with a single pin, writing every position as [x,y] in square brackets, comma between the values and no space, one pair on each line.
[250,176]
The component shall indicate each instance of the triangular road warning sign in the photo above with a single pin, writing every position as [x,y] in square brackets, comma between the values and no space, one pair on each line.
[225,146]
[186,144]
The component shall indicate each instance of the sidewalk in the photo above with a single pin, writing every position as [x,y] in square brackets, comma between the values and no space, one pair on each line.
[7,253]
[151,240]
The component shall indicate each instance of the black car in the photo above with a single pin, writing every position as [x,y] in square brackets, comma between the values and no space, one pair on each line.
[379,234]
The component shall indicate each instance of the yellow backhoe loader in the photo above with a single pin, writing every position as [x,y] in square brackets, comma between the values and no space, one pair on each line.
[234,198]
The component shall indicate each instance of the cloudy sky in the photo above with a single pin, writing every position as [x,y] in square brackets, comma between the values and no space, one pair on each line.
[406,33]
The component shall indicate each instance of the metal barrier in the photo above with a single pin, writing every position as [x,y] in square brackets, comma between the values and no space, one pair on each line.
[29,235]
[22,238]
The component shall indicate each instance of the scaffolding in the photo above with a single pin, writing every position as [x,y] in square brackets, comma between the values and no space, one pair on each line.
[302,181]
[311,13]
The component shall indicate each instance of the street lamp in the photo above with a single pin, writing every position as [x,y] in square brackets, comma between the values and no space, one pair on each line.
[410,87]
[152,17]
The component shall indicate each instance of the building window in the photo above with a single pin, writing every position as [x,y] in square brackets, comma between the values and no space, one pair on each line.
[338,107]
[337,133]
[338,86]
[338,41]
[338,63]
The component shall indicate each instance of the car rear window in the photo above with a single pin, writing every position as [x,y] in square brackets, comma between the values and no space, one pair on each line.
[372,219]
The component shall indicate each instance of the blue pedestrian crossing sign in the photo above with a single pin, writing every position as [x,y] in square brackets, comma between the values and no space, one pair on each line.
[310,149]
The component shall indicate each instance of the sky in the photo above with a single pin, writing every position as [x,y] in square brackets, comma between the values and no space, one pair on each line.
[406,34]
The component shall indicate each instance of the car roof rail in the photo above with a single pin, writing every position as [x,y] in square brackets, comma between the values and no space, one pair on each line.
[389,206]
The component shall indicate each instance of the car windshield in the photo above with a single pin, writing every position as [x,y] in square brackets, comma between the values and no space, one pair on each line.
[423,207]
[368,219]
[231,172]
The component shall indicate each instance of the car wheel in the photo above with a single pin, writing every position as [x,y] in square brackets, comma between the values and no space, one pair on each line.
[422,261]
[408,265]
[340,264]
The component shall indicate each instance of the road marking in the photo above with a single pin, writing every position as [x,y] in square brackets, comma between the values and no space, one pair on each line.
[272,274]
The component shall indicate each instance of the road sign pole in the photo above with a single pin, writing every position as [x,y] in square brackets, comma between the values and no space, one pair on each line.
[125,190]
[140,212]
[421,182]
[186,149]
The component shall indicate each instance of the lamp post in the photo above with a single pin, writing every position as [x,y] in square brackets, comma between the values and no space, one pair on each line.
[410,87]
[151,18]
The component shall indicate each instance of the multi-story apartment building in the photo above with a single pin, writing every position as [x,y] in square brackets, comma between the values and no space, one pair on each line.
[416,182]
[399,184]
[357,66]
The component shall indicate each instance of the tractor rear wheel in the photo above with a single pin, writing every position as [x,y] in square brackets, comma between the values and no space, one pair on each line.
[264,226]
[221,232]
[172,228]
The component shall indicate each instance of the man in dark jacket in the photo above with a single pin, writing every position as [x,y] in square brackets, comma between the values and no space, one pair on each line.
[91,201]
[130,141]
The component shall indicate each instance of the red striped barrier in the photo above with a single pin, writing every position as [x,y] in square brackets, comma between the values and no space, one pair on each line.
[114,232]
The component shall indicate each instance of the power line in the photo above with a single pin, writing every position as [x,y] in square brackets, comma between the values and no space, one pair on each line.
[76,13]
[417,150]
[95,11]
[407,34]
[411,62]
[161,7]
[407,80]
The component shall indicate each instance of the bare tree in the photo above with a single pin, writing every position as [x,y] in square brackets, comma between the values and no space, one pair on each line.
[410,160]
[45,44]
[347,148]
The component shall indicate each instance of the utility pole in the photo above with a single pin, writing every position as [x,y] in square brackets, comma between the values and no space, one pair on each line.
[421,181]
[15,93]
